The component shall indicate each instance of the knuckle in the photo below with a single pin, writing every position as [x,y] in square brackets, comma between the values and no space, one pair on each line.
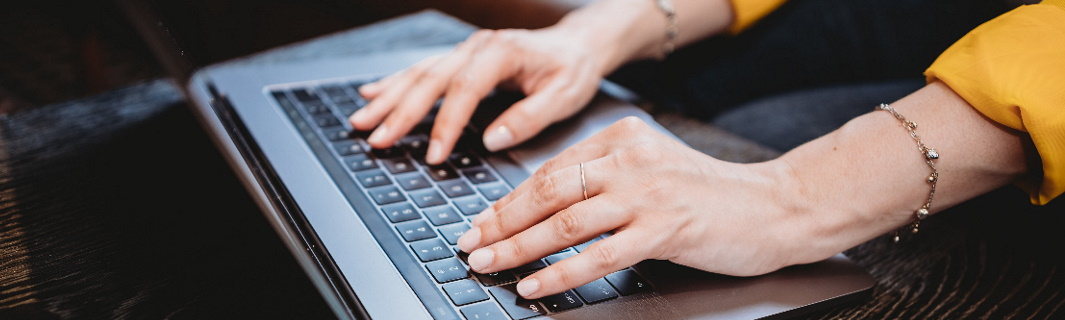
[512,249]
[569,225]
[546,191]
[632,123]
[418,70]
[604,256]
[496,224]
[461,82]
[639,156]
[563,276]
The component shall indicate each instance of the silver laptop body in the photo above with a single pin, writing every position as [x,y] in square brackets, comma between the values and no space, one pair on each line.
[329,231]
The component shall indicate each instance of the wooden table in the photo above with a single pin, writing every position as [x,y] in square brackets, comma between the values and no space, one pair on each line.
[118,206]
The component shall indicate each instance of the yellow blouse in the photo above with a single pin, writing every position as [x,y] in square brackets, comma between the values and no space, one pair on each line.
[1011,69]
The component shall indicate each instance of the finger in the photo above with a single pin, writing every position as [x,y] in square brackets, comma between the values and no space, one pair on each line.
[576,224]
[372,89]
[549,194]
[370,116]
[588,150]
[614,253]
[420,97]
[464,93]
[560,98]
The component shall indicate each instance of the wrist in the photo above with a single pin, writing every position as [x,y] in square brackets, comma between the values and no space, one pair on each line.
[813,220]
[616,31]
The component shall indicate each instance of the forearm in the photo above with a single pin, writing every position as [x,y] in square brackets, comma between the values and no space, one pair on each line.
[620,31]
[868,178]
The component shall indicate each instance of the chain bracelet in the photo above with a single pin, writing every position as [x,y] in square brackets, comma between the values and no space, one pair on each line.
[666,6]
[929,154]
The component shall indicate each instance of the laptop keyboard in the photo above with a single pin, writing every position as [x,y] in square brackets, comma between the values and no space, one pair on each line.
[429,206]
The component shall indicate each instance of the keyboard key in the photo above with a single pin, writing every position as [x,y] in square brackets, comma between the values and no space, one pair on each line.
[441,172]
[336,94]
[479,175]
[596,291]
[555,258]
[415,230]
[470,205]
[493,191]
[447,270]
[386,195]
[427,198]
[412,181]
[337,134]
[360,162]
[561,301]
[628,282]
[456,188]
[400,212]
[305,94]
[316,108]
[347,148]
[516,306]
[398,165]
[462,255]
[373,178]
[283,100]
[483,311]
[414,142]
[464,292]
[529,267]
[346,109]
[385,153]
[453,232]
[464,160]
[325,121]
[429,250]
[496,278]
[441,215]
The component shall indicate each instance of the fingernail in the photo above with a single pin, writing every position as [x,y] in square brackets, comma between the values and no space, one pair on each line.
[358,114]
[480,259]
[483,215]
[378,134]
[528,287]
[470,240]
[498,139]
[435,155]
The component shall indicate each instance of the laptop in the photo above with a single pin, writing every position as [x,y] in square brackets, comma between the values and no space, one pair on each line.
[376,230]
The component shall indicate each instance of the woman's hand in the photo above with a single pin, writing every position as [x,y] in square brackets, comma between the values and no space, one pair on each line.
[661,199]
[556,70]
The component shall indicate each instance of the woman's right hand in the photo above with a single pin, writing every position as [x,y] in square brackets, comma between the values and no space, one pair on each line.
[557,71]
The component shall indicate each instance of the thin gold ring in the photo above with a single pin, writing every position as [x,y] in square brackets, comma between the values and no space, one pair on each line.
[584,185]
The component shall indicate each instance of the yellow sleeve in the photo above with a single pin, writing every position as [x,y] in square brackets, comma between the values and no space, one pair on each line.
[746,12]
[1012,69]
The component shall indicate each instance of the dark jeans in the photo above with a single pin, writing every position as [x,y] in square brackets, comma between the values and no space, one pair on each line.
[809,66]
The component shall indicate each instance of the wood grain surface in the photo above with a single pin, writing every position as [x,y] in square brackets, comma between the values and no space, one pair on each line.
[118,207]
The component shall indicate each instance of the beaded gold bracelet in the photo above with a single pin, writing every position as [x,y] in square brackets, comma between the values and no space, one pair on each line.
[671,30]
[929,154]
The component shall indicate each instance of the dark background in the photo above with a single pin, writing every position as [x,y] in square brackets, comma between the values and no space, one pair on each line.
[52,51]
[129,183]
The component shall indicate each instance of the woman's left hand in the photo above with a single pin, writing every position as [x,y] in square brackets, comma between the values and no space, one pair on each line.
[661,199]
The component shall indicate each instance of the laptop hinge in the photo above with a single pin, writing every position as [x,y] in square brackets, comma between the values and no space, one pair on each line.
[281,201]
